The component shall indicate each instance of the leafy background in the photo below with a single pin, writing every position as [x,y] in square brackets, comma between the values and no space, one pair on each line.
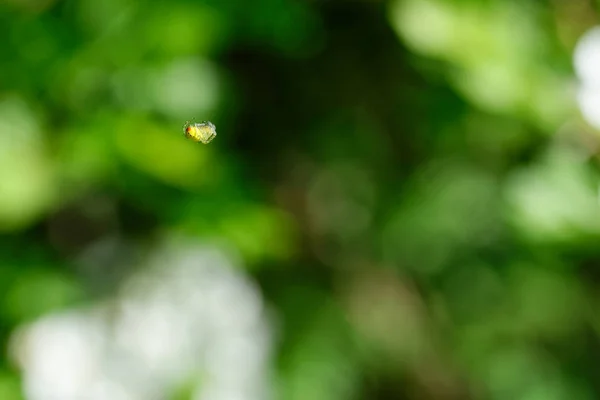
[401,202]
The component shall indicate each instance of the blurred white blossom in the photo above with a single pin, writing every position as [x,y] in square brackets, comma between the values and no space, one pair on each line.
[190,316]
[587,65]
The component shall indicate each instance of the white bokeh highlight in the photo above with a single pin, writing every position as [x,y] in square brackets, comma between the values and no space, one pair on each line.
[586,59]
[191,315]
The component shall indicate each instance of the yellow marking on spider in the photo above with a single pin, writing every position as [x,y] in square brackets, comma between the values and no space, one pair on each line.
[203,132]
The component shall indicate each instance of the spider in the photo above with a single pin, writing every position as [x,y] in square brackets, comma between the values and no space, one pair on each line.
[204,131]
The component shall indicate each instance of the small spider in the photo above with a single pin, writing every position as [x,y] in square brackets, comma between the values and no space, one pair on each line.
[204,131]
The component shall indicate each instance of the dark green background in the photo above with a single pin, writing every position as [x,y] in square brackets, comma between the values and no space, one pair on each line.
[409,182]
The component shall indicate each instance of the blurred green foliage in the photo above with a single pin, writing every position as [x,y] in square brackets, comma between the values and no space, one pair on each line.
[408,181]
